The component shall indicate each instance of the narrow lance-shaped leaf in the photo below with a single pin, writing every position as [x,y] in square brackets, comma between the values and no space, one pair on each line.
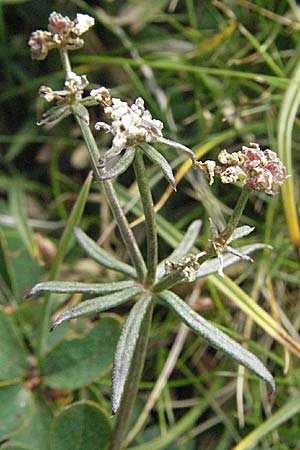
[126,347]
[211,266]
[120,166]
[96,305]
[157,158]
[73,287]
[184,247]
[101,256]
[216,337]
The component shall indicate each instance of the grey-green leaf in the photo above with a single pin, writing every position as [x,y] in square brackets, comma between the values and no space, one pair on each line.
[215,337]
[240,232]
[120,166]
[211,266]
[157,158]
[73,287]
[184,247]
[101,256]
[96,305]
[126,347]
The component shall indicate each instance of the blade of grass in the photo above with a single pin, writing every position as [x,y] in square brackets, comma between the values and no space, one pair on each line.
[289,410]
[286,118]
[253,310]
[64,242]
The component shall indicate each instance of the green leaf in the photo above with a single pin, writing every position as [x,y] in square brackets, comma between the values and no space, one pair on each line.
[184,246]
[157,158]
[13,445]
[64,242]
[17,267]
[96,305]
[83,425]
[72,287]
[216,337]
[126,347]
[101,256]
[17,206]
[120,166]
[35,434]
[211,266]
[13,361]
[75,363]
[16,404]
[73,221]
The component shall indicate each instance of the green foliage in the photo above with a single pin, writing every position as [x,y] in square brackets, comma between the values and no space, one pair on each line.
[82,425]
[217,76]
[75,363]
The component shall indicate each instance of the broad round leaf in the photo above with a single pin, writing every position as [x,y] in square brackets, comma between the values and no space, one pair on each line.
[16,406]
[81,426]
[77,362]
[12,354]
[35,433]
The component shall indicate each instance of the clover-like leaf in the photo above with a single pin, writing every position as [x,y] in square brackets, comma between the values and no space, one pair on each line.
[101,256]
[82,425]
[96,305]
[126,348]
[157,158]
[215,337]
[120,166]
[73,287]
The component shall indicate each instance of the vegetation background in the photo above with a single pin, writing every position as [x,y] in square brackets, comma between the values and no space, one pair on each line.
[219,75]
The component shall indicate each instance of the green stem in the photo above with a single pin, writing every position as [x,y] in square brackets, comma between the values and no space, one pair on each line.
[150,220]
[65,62]
[132,384]
[237,213]
[111,196]
[125,230]
[168,281]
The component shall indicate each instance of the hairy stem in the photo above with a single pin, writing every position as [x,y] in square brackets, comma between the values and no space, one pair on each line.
[125,230]
[132,384]
[150,221]
[112,199]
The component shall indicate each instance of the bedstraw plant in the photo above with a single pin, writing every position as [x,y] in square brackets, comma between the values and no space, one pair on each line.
[136,135]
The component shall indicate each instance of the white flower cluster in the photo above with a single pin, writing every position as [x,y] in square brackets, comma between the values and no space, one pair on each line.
[130,124]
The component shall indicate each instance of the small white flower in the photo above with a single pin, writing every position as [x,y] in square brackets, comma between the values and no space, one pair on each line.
[84,23]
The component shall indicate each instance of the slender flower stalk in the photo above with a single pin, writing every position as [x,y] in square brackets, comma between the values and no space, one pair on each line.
[237,213]
[150,222]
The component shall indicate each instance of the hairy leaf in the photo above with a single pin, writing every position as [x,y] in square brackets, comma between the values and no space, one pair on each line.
[211,266]
[216,337]
[120,166]
[73,287]
[156,157]
[96,305]
[101,256]
[126,347]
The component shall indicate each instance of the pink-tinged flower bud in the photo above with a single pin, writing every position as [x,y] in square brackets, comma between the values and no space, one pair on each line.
[40,42]
[265,171]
